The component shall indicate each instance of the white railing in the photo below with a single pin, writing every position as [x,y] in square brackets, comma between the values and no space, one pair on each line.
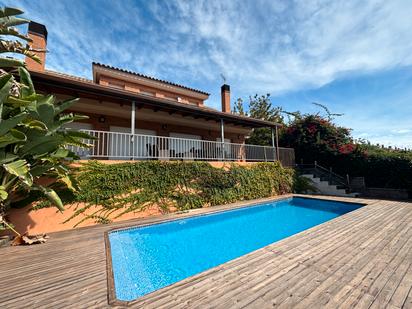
[126,146]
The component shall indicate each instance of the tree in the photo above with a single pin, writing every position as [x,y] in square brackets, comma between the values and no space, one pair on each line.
[33,145]
[238,108]
[260,107]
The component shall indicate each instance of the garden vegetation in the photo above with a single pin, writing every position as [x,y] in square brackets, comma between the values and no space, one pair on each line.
[315,137]
[132,187]
[33,146]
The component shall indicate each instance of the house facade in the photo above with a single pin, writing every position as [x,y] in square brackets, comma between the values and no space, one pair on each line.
[136,117]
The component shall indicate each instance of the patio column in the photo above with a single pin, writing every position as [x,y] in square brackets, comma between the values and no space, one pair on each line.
[133,118]
[273,144]
[222,138]
[277,144]
[132,129]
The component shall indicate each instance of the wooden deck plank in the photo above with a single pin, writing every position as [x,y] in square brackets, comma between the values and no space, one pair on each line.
[402,291]
[339,283]
[361,259]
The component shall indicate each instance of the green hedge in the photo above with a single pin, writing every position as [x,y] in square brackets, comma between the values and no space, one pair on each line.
[182,185]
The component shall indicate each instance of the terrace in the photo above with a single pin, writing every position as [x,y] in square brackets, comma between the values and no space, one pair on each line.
[127,146]
[361,259]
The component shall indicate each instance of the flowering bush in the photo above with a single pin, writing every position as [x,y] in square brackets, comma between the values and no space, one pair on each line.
[315,138]
[312,136]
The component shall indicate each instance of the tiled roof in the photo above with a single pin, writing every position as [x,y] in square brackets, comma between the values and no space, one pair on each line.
[85,80]
[83,85]
[81,79]
[149,77]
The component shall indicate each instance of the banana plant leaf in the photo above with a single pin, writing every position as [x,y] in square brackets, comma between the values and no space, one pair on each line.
[6,157]
[35,124]
[64,105]
[5,86]
[46,114]
[8,124]
[12,137]
[8,11]
[20,168]
[3,193]
[41,145]
[9,63]
[51,195]
[11,21]
[25,79]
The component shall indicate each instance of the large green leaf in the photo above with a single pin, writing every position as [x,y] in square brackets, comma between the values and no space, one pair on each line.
[8,62]
[19,168]
[79,134]
[46,113]
[6,157]
[7,11]
[51,196]
[65,119]
[46,99]
[12,137]
[69,182]
[60,153]
[25,79]
[35,124]
[3,193]
[41,145]
[40,170]
[16,102]
[62,106]
[5,86]
[12,21]
[14,32]
[8,124]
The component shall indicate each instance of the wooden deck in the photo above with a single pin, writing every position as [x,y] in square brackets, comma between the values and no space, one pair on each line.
[362,259]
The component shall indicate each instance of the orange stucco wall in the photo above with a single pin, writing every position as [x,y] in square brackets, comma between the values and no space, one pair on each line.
[48,220]
[137,88]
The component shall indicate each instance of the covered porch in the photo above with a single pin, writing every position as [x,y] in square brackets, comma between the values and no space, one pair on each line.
[141,126]
[127,146]
[137,132]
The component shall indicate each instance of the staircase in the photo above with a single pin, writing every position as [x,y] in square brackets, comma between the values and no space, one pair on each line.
[326,181]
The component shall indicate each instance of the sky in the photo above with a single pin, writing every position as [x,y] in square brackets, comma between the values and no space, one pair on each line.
[355,57]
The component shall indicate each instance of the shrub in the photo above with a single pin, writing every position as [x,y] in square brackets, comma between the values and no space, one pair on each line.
[32,144]
[316,138]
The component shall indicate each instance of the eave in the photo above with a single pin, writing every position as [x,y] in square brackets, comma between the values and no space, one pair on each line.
[80,88]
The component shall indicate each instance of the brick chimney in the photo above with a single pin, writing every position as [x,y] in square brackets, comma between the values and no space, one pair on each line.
[225,90]
[38,33]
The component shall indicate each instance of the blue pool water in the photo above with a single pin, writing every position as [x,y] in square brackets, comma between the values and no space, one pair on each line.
[148,258]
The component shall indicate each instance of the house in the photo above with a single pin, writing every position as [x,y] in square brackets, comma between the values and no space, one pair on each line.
[135,117]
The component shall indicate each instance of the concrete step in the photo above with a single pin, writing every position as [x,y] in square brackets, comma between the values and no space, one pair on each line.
[326,188]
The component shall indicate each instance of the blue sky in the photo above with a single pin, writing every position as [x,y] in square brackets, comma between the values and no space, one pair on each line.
[353,56]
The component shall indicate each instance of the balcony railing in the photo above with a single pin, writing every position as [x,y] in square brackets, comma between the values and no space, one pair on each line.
[126,146]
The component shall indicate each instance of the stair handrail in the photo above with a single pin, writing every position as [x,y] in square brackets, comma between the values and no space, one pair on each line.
[332,175]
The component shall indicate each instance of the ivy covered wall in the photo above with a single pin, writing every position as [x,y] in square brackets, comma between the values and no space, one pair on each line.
[128,187]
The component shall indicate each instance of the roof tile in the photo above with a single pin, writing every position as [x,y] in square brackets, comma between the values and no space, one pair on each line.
[148,77]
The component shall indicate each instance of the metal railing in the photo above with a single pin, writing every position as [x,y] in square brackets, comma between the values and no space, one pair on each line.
[327,174]
[126,146]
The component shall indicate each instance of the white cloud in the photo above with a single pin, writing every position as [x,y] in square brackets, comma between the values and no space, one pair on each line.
[263,46]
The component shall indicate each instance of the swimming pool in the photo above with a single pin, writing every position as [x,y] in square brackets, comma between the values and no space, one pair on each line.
[145,259]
